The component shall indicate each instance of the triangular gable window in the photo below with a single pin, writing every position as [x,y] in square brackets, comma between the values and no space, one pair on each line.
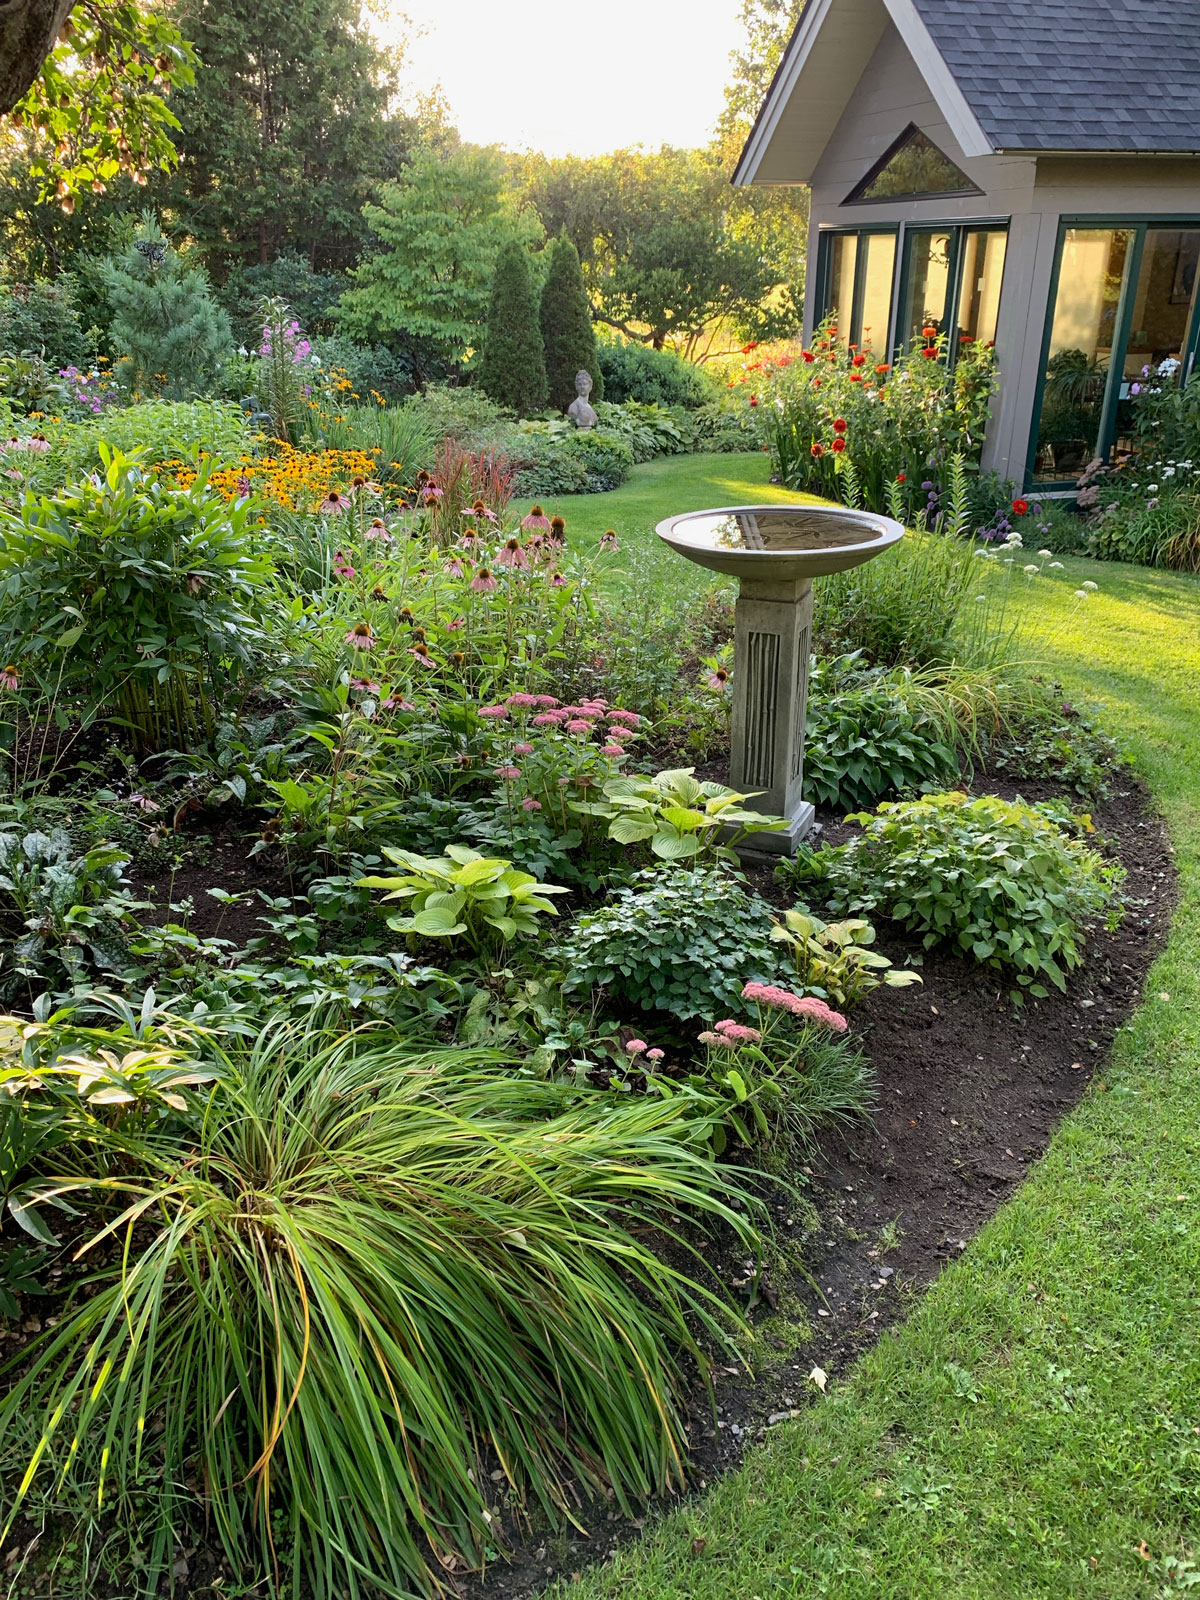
[913,168]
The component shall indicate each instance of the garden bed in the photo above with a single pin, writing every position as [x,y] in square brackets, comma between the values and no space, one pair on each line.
[970,1091]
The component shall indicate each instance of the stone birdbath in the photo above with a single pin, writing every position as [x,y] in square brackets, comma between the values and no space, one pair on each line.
[775,552]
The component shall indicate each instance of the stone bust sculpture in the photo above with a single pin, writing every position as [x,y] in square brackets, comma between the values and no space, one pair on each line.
[580,411]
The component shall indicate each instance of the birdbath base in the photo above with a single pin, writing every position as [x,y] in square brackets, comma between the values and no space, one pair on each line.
[772,629]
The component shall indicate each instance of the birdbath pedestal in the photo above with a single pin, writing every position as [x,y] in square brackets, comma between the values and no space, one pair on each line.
[775,552]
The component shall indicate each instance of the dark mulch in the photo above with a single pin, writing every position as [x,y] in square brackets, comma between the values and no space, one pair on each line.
[971,1088]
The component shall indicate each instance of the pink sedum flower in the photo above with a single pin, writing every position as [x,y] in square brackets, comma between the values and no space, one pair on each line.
[635,1047]
[825,1016]
[629,718]
[493,711]
[655,1055]
[530,804]
[737,1032]
[522,749]
[509,774]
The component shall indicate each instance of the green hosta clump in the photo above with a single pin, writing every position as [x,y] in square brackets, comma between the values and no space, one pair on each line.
[132,597]
[680,817]
[1010,884]
[483,900]
[684,942]
[832,959]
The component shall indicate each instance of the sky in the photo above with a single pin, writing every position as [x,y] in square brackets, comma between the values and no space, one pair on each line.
[575,76]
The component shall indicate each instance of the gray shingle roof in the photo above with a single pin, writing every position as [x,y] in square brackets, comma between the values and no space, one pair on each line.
[1075,74]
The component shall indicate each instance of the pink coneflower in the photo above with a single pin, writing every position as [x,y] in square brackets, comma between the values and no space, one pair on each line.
[459,622]
[635,1047]
[578,725]
[396,703]
[738,1032]
[420,654]
[38,441]
[484,580]
[144,803]
[364,686]
[512,555]
[341,564]
[493,711]
[360,637]
[558,529]
[655,1055]
[334,504]
[608,539]
[509,774]
[378,529]
[530,804]
[430,494]
[455,568]
[557,581]
[537,520]
[718,680]
[9,679]
[522,749]
[630,718]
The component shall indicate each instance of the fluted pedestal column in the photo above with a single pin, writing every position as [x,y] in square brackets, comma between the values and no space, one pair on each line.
[773,625]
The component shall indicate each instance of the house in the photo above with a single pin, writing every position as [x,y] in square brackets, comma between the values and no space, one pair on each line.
[1026,171]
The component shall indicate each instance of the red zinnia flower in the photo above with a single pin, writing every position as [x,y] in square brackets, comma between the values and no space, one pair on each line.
[902,477]
[839,424]
[929,331]
[1020,507]
[929,352]
[839,444]
[882,368]
[753,399]
[856,377]
[808,355]
[859,361]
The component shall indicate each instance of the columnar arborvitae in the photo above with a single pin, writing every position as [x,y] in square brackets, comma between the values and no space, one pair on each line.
[513,369]
[568,337]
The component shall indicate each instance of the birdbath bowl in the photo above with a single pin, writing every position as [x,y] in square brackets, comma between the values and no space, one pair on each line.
[775,552]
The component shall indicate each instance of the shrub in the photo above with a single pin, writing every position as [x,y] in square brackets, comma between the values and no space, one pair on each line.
[172,334]
[369,369]
[134,596]
[513,369]
[585,462]
[650,430]
[654,377]
[1005,883]
[866,739]
[160,430]
[464,414]
[568,337]
[43,318]
[684,942]
[364,1276]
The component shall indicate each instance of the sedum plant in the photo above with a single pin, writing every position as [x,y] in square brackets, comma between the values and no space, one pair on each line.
[680,817]
[483,900]
[133,596]
[1008,884]
[833,959]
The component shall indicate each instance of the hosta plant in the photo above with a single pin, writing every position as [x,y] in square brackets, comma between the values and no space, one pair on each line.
[678,815]
[482,900]
[833,959]
[1009,884]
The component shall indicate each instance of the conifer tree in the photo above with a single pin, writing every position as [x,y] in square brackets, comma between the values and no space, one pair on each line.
[513,369]
[169,335]
[568,337]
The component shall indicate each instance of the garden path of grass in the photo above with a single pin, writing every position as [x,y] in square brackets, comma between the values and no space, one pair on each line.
[1033,1428]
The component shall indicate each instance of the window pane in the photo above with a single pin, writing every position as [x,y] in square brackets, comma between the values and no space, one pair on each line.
[843,254]
[1162,306]
[877,291]
[982,273]
[925,290]
[914,166]
[1090,279]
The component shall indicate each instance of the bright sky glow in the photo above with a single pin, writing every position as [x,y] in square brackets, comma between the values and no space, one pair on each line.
[575,76]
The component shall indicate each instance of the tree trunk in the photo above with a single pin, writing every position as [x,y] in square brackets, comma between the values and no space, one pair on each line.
[28,32]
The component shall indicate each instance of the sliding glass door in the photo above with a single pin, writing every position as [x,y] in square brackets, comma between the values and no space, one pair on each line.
[1124,311]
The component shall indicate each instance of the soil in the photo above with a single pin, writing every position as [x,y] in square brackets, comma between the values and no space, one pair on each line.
[970,1090]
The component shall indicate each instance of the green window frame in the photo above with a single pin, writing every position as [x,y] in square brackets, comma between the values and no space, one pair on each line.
[825,241]
[1139,225]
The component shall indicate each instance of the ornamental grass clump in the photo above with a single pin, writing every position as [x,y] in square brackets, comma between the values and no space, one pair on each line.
[370,1299]
[1011,885]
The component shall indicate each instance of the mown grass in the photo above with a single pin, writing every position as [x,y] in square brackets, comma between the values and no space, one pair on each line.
[1033,1428]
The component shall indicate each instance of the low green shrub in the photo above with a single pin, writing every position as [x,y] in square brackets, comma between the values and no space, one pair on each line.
[867,738]
[463,413]
[684,942]
[653,377]
[582,462]
[1051,739]
[161,430]
[1008,884]
[361,1277]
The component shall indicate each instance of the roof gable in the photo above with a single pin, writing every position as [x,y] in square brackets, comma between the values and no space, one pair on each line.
[1007,75]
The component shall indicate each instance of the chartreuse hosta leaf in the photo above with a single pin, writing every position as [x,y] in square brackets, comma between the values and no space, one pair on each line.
[484,900]
[678,815]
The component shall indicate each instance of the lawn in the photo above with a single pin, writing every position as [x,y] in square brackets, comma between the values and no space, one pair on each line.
[1034,1427]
